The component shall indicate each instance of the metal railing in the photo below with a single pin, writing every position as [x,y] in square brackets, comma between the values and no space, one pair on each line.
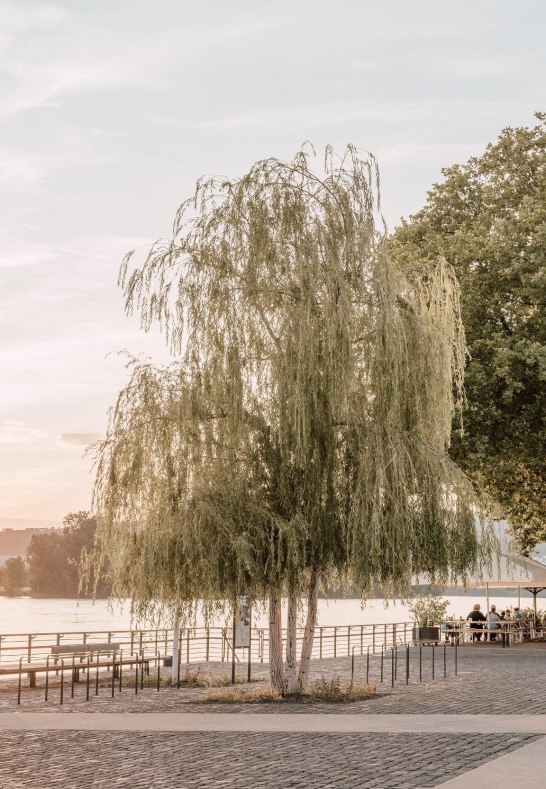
[209,644]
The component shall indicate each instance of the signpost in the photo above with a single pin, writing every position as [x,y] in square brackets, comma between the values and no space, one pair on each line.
[242,632]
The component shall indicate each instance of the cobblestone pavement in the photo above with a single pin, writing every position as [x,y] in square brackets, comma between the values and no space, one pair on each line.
[188,760]
[490,681]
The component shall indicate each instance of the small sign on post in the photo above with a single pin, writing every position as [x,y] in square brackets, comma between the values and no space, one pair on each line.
[242,629]
[243,616]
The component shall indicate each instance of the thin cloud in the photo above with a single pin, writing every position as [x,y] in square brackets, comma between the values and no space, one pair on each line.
[80,439]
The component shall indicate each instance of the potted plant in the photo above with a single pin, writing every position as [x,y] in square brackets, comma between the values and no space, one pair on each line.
[428,612]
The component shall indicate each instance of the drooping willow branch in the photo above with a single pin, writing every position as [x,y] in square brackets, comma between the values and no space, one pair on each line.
[337,375]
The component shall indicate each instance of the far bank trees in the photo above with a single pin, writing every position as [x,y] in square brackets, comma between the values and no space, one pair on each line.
[301,433]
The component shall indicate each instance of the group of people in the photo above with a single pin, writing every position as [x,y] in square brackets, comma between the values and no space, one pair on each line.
[492,622]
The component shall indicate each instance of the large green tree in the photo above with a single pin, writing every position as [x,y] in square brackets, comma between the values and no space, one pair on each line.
[302,431]
[488,217]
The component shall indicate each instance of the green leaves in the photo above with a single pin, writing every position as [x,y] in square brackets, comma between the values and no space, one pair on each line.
[304,427]
[488,218]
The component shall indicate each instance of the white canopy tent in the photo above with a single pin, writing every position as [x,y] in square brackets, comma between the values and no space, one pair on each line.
[512,571]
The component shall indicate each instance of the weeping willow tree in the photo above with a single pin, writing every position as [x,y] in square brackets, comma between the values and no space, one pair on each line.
[302,431]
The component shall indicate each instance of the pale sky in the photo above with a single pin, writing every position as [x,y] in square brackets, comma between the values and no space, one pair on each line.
[112,109]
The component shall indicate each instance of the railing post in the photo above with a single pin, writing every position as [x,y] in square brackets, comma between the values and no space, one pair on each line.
[320,644]
[348,639]
[29,648]
[208,644]
[385,636]
[335,640]
[373,639]
[187,645]
[361,638]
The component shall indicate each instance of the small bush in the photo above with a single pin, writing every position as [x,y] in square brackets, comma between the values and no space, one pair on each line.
[336,689]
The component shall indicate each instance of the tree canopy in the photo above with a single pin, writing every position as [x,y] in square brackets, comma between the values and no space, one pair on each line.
[488,218]
[54,558]
[302,430]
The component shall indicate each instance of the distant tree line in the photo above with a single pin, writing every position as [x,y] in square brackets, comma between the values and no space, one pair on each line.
[52,566]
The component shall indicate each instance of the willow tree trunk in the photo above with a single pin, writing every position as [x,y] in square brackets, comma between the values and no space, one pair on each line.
[291,642]
[309,634]
[276,664]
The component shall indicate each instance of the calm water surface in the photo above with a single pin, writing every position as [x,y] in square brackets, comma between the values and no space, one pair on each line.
[31,615]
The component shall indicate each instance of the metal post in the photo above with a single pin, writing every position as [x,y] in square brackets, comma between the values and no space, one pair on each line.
[176,650]
[62,679]
[420,662]
[114,676]
[348,640]
[335,641]
[47,677]
[393,675]
[158,669]
[29,648]
[187,645]
[433,647]
[97,675]
[382,657]
[456,648]
[368,664]
[120,669]
[19,684]
[136,673]
[395,647]
[73,673]
[208,645]
[87,676]
[361,638]
[407,664]
[373,639]
[352,665]
[320,644]
[445,672]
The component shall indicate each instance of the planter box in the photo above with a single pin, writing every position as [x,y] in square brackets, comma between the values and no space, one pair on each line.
[426,635]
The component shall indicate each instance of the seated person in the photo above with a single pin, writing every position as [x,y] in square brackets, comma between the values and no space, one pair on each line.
[476,618]
[493,623]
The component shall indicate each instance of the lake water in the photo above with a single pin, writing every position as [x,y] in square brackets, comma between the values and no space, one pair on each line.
[42,615]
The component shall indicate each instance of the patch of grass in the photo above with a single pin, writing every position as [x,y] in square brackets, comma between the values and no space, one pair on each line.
[336,689]
[234,695]
[333,690]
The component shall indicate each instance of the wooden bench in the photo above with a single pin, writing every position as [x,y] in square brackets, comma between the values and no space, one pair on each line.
[81,651]
[101,658]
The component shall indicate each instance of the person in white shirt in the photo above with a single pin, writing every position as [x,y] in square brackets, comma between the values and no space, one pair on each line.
[492,623]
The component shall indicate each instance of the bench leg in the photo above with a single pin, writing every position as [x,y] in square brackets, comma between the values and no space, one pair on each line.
[32,679]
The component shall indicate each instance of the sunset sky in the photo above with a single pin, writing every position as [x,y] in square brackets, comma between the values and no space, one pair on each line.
[111,111]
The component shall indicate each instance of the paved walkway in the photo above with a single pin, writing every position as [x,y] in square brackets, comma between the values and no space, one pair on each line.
[256,722]
[485,727]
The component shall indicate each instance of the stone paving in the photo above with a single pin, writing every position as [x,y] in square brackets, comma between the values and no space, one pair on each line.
[188,760]
[490,681]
